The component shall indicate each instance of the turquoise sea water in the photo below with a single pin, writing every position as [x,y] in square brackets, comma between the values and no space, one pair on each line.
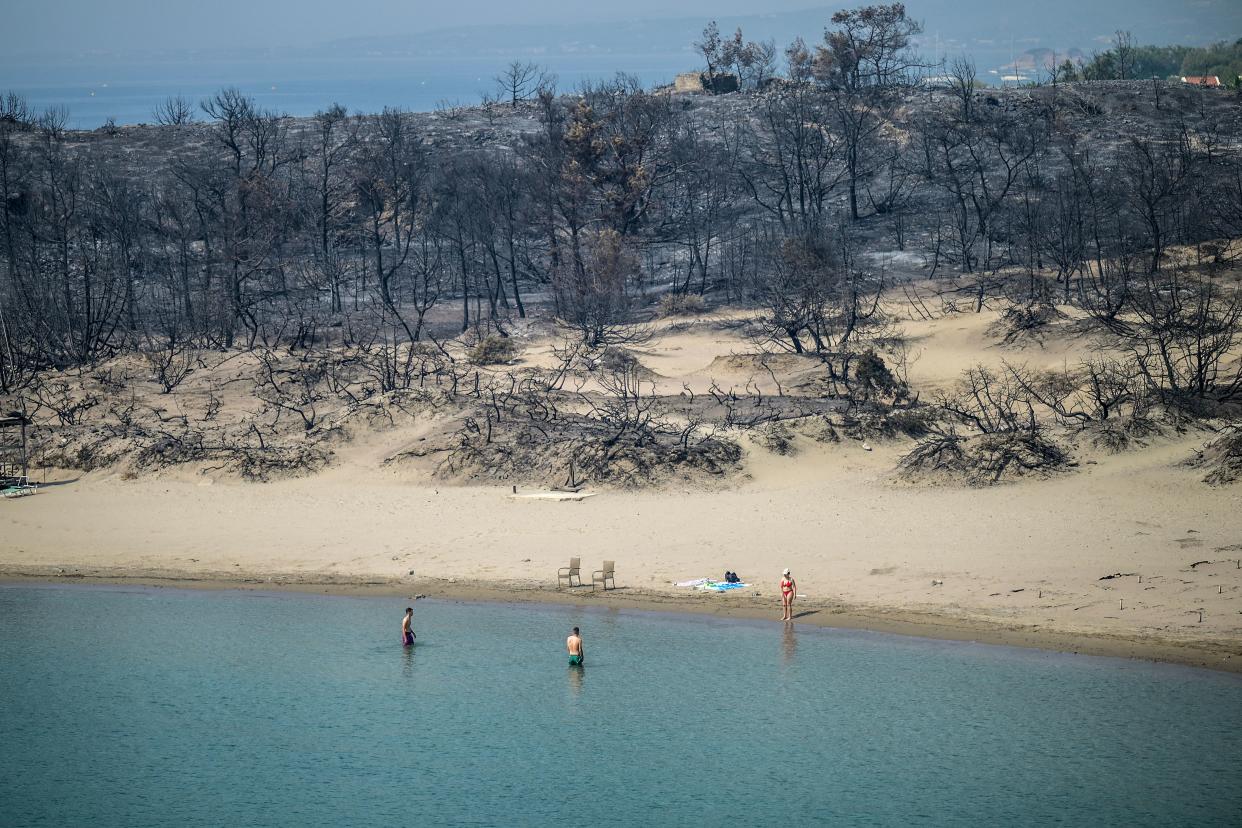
[134,707]
[92,92]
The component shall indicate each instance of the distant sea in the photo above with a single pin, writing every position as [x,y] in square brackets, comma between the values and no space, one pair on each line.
[128,92]
[125,706]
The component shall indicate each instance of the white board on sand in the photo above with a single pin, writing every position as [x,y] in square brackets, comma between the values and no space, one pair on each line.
[553,496]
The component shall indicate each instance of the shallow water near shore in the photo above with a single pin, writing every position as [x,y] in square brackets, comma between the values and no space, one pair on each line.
[157,706]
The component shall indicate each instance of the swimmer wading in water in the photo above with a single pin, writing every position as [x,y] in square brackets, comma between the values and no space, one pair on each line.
[574,645]
[407,632]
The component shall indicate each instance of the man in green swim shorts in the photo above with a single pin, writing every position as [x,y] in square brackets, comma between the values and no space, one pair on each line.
[574,645]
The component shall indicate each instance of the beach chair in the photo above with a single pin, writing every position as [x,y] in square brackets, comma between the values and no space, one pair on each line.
[568,573]
[603,576]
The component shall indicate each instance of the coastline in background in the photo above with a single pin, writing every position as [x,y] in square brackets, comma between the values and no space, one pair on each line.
[127,92]
[421,70]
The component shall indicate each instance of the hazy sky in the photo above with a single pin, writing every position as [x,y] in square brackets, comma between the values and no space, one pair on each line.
[123,25]
[119,27]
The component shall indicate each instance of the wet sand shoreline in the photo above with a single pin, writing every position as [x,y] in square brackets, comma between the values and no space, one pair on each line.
[1218,655]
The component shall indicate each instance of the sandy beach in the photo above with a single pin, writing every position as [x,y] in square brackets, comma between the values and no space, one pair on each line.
[1019,564]
[1128,553]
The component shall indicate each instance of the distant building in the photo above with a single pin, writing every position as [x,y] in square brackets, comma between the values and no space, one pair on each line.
[698,82]
[1201,80]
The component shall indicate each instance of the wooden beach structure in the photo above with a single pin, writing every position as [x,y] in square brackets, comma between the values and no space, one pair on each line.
[14,454]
